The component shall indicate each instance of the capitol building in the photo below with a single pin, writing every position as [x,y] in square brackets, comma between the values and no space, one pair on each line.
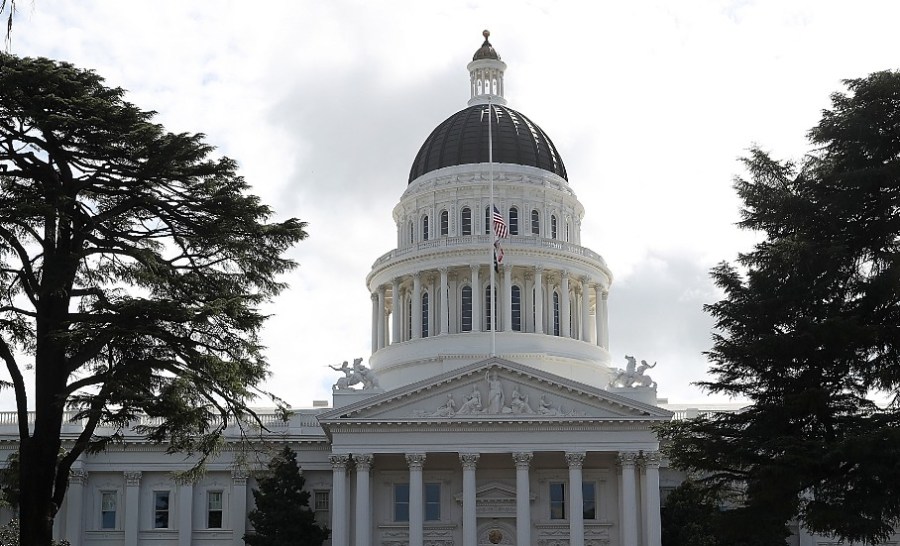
[490,410]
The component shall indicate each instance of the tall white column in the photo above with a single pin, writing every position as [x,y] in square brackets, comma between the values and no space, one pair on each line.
[538,301]
[381,332]
[627,460]
[477,295]
[416,317]
[375,316]
[445,315]
[396,325]
[576,499]
[185,513]
[339,534]
[363,509]
[602,318]
[523,498]
[132,506]
[585,309]
[652,522]
[470,531]
[74,502]
[507,300]
[416,499]
[564,322]
[238,505]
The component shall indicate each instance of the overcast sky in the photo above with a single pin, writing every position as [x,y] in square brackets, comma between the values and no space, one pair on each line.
[325,103]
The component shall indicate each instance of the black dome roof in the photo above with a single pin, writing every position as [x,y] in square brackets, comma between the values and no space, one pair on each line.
[463,138]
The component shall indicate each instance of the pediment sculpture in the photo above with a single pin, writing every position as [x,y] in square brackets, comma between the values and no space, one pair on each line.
[358,374]
[633,376]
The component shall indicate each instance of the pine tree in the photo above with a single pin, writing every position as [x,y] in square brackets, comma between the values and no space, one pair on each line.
[809,331]
[282,516]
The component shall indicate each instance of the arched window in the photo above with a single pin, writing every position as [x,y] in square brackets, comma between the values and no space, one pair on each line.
[425,314]
[535,222]
[555,313]
[409,320]
[466,222]
[553,226]
[445,223]
[516,308]
[425,228]
[412,233]
[465,322]
[487,220]
[488,307]
[513,221]
[567,230]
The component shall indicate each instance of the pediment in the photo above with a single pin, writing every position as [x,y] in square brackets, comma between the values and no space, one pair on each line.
[495,390]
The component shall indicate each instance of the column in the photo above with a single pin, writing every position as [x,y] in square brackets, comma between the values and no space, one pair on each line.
[185,513]
[585,309]
[396,326]
[239,476]
[523,498]
[132,506]
[375,315]
[363,509]
[602,324]
[627,461]
[652,523]
[445,310]
[339,535]
[416,318]
[576,500]
[416,497]
[538,301]
[74,502]
[507,300]
[470,531]
[477,295]
[564,323]
[381,333]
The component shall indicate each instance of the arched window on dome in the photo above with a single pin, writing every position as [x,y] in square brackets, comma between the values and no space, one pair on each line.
[567,230]
[494,86]
[409,320]
[445,223]
[489,305]
[411,232]
[555,313]
[425,314]
[553,226]
[516,305]
[513,221]
[465,316]
[487,220]
[535,222]
[478,85]
[425,228]
[466,221]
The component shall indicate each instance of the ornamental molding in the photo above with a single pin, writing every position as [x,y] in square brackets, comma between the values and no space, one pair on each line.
[339,462]
[415,461]
[77,476]
[132,478]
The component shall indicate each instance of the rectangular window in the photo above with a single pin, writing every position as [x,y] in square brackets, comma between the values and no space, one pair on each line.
[160,509]
[589,498]
[432,502]
[322,501]
[401,502]
[108,509]
[557,501]
[213,509]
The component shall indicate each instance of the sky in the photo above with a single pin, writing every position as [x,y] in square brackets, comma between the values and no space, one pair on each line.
[325,103]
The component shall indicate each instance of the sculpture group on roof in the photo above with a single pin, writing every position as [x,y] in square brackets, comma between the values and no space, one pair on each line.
[358,374]
[634,376]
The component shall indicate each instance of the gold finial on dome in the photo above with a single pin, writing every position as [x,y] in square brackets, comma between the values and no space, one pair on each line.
[486,51]
[486,34]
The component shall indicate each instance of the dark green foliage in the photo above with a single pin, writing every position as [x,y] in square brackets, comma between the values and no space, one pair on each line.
[809,331]
[282,516]
[688,517]
[132,267]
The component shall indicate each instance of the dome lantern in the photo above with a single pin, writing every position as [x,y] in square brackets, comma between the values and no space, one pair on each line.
[486,75]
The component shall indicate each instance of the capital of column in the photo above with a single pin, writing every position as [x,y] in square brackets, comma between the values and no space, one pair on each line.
[469,460]
[538,271]
[77,476]
[132,478]
[339,462]
[475,268]
[373,296]
[627,458]
[363,460]
[586,281]
[604,294]
[564,274]
[575,459]
[651,459]
[415,460]
[443,270]
[522,459]
[239,475]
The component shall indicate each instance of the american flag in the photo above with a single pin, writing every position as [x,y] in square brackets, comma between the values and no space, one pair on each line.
[500,228]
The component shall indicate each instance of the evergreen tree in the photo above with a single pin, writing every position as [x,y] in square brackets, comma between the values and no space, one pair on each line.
[688,517]
[809,331]
[132,268]
[282,516]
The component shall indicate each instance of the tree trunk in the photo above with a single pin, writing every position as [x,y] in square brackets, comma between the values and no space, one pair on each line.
[36,510]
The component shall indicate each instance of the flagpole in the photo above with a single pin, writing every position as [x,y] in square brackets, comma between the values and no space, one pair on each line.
[492,300]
